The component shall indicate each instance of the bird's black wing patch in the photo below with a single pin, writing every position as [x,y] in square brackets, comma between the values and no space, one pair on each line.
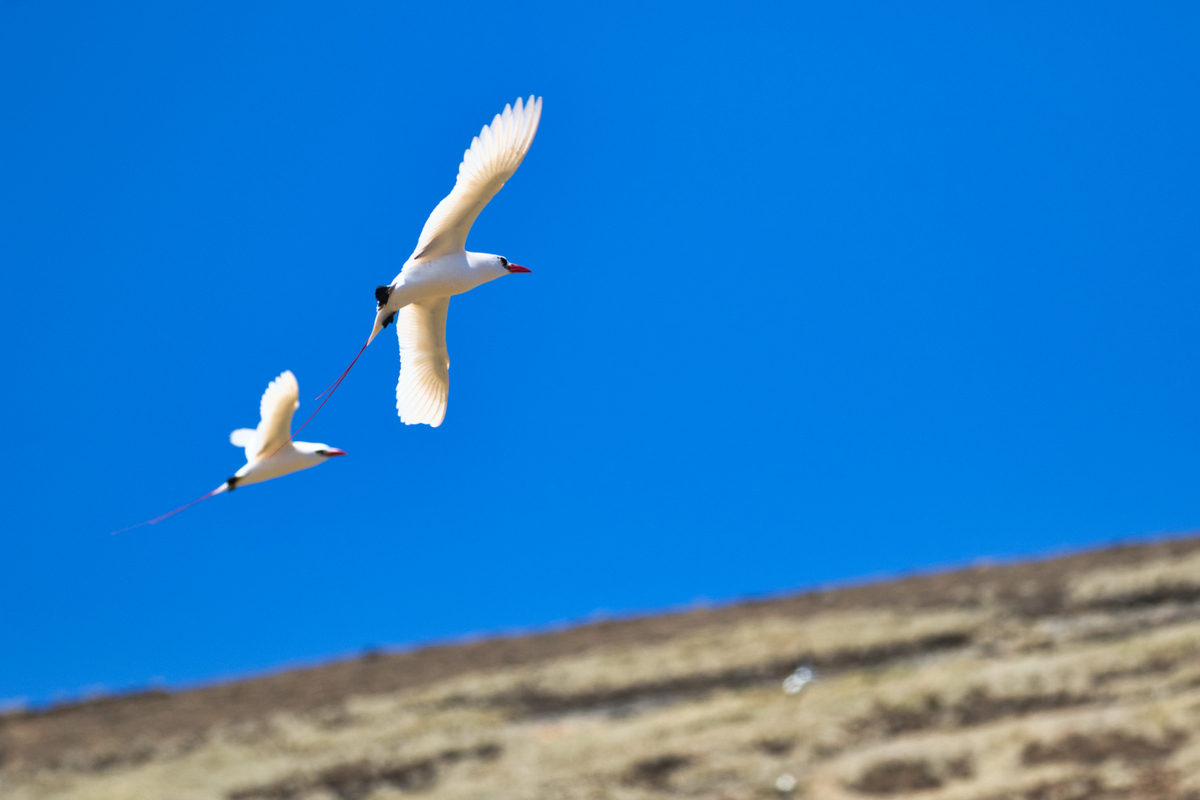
[382,295]
[390,319]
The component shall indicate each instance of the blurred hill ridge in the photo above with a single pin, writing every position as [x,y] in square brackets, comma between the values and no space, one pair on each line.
[1071,677]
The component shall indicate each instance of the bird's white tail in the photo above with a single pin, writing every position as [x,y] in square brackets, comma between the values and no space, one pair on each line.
[383,318]
[242,437]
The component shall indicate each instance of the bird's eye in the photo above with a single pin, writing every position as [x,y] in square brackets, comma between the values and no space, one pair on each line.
[503,261]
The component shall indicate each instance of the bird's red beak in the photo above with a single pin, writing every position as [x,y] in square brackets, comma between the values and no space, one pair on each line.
[517,268]
[333,451]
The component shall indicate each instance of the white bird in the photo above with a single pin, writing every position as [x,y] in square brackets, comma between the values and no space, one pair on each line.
[440,267]
[270,451]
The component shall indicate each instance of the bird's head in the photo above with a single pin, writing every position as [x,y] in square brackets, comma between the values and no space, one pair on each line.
[511,267]
[493,266]
[318,449]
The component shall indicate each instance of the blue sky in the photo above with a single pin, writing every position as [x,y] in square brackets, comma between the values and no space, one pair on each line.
[820,292]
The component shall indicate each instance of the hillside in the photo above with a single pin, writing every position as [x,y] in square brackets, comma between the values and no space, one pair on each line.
[1075,677]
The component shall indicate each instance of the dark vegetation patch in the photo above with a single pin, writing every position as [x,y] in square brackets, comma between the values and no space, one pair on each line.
[1158,665]
[655,773]
[900,775]
[976,707]
[896,776]
[1186,593]
[1150,784]
[894,720]
[962,767]
[879,655]
[111,759]
[776,746]
[979,706]
[1069,789]
[358,779]
[1081,748]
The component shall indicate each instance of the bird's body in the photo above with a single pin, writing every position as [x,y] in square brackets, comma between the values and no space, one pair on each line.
[292,457]
[270,452]
[440,267]
[445,276]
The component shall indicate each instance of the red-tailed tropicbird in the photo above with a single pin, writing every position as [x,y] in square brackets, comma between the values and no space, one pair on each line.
[441,266]
[270,451]
[418,299]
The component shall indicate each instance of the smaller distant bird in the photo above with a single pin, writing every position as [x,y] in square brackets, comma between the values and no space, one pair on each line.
[270,451]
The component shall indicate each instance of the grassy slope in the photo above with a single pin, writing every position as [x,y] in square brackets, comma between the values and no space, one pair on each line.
[1076,677]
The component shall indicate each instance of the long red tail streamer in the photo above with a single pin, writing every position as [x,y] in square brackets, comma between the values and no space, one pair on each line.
[161,517]
[333,387]
[327,388]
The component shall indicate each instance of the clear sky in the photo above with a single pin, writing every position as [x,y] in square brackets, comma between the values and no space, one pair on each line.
[820,292]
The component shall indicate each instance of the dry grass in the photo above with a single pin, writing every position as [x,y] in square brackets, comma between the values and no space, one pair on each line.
[1098,699]
[1152,582]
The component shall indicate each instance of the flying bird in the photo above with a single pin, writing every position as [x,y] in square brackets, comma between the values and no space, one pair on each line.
[418,299]
[270,451]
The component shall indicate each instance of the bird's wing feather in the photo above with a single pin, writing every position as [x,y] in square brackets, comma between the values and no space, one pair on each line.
[278,403]
[494,156]
[242,437]
[424,364]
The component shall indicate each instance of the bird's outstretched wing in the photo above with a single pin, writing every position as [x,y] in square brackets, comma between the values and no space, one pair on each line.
[278,403]
[424,364]
[494,156]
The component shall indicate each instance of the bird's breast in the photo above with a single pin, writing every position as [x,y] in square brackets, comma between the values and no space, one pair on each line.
[441,277]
